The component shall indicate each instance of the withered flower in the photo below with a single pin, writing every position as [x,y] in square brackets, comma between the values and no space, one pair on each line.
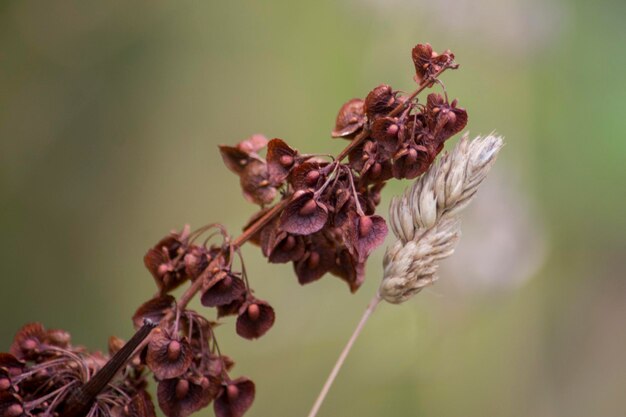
[380,101]
[180,397]
[304,215]
[428,63]
[165,260]
[350,119]
[255,318]
[235,398]
[154,310]
[228,289]
[168,356]
[281,159]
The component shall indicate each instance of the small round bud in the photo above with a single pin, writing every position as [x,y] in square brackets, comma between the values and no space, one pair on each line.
[289,243]
[376,170]
[365,226]
[173,350]
[312,177]
[14,410]
[393,129]
[286,160]
[5,384]
[29,344]
[308,208]
[254,312]
[233,392]
[163,269]
[314,260]
[182,388]
[412,156]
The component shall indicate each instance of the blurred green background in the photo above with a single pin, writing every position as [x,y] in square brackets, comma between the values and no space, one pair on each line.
[110,117]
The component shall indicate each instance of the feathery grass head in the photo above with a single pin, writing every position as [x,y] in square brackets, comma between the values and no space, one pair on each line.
[425,218]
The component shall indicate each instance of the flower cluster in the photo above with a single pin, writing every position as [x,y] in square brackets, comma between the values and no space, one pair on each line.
[43,370]
[183,353]
[328,222]
[323,222]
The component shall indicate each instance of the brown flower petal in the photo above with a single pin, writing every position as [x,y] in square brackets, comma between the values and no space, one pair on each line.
[235,398]
[168,357]
[303,215]
[446,120]
[427,62]
[140,406]
[225,291]
[256,184]
[253,144]
[411,162]
[308,175]
[370,232]
[255,318]
[380,101]
[287,248]
[316,262]
[385,131]
[350,119]
[349,269]
[281,158]
[27,341]
[234,158]
[230,308]
[153,310]
[180,397]
[165,261]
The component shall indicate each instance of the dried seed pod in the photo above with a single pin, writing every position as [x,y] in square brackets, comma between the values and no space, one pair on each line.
[255,318]
[224,291]
[168,356]
[304,215]
[235,398]
[350,119]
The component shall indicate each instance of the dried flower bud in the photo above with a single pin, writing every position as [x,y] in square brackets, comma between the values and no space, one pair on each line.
[180,397]
[428,63]
[303,215]
[255,318]
[224,291]
[350,119]
[235,398]
[380,101]
[168,357]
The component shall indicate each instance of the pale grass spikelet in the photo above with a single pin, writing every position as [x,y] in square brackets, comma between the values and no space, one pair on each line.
[425,218]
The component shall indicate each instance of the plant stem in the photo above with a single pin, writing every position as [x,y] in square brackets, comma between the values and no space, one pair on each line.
[344,354]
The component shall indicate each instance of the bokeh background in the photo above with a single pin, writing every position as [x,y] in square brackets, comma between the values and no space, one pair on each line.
[110,117]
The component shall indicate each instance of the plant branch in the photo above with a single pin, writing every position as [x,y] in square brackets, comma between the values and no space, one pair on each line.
[344,354]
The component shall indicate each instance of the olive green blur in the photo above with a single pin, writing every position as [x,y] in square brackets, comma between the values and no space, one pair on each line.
[110,117]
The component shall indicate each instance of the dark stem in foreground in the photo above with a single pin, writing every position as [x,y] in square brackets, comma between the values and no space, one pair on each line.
[81,401]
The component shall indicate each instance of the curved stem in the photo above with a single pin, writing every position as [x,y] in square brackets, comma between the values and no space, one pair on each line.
[344,354]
